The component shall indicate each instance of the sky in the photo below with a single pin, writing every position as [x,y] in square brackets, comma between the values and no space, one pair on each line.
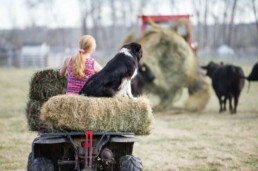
[14,13]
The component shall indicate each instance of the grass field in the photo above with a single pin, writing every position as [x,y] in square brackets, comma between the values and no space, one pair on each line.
[203,141]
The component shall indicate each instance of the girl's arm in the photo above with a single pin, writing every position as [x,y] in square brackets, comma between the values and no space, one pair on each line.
[97,66]
[64,67]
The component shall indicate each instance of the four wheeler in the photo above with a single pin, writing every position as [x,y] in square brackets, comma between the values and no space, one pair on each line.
[84,151]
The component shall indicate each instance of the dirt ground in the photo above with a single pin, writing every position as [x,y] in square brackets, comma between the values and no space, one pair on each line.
[201,141]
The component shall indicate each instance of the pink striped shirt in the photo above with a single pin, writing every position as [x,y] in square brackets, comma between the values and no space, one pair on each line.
[74,85]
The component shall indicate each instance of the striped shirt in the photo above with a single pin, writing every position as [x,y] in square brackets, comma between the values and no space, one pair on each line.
[74,85]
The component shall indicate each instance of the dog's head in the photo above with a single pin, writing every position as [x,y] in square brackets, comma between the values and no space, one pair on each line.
[135,49]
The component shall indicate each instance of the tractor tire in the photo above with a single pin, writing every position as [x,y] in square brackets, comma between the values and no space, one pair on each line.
[130,163]
[39,164]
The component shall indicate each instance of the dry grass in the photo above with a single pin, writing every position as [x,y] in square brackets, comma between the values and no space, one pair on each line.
[15,138]
[204,141]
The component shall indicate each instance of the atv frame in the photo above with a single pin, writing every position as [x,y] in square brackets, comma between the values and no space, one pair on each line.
[84,151]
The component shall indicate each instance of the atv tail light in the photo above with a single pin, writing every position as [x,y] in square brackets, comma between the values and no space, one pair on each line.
[83,143]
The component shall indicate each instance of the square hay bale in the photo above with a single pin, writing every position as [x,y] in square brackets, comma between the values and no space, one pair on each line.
[33,115]
[45,84]
[80,113]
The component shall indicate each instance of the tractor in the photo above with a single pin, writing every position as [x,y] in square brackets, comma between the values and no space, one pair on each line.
[180,23]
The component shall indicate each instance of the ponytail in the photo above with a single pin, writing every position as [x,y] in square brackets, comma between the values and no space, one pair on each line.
[79,66]
[87,45]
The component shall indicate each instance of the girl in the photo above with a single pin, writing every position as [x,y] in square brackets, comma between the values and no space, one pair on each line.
[79,68]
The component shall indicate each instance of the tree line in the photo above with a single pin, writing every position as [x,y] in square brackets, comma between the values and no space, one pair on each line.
[214,22]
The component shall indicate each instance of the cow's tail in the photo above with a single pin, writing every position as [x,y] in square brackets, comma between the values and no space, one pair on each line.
[248,85]
[249,82]
[240,75]
[246,78]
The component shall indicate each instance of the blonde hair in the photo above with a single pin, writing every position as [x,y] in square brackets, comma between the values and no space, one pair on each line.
[87,44]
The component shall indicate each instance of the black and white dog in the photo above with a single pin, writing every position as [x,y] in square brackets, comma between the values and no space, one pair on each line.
[115,78]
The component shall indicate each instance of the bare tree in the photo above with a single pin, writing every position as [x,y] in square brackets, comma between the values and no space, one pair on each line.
[231,24]
[205,25]
[173,5]
[114,19]
[216,29]
[86,11]
[256,19]
[197,10]
[32,7]
[141,6]
[224,21]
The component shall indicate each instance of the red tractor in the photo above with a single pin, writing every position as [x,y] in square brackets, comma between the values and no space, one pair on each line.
[181,24]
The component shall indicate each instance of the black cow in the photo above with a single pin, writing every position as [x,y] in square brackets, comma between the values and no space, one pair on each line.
[227,82]
[144,75]
[253,76]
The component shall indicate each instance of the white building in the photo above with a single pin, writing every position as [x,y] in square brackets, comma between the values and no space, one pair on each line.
[34,55]
[225,50]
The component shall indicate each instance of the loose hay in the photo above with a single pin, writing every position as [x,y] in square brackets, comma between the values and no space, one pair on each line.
[199,92]
[199,95]
[45,84]
[33,115]
[74,112]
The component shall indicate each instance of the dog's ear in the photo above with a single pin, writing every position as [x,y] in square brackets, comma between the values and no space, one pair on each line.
[137,48]
[133,46]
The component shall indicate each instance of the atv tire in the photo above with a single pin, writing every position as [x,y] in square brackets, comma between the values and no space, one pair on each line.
[39,164]
[130,163]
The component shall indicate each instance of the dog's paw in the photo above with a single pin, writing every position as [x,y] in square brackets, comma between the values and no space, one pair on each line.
[132,97]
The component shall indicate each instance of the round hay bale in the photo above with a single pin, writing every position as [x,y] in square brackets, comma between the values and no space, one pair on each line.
[175,66]
[172,62]
[74,112]
[45,84]
[33,115]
